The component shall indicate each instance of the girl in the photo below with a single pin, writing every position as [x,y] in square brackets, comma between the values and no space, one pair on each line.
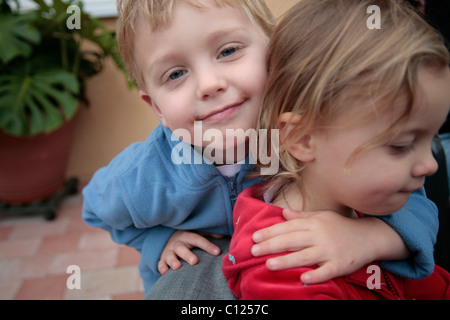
[356,109]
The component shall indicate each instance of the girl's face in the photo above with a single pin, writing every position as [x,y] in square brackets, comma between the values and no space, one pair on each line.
[380,179]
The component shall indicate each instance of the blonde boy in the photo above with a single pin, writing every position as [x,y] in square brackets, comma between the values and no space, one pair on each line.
[194,61]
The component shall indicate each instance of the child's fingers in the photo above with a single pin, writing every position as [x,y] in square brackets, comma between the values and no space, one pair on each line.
[303,258]
[180,247]
[170,260]
[323,273]
[162,267]
[279,229]
[199,241]
[186,254]
[291,241]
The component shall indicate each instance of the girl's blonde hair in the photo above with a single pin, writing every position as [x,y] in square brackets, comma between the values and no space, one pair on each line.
[158,14]
[323,54]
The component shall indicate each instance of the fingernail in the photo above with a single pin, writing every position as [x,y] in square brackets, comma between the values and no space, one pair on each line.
[255,250]
[272,263]
[305,278]
[256,237]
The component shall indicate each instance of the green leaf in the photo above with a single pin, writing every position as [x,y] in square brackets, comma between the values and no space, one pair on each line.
[59,77]
[17,36]
[66,101]
[53,117]
[36,102]
[37,121]
[37,51]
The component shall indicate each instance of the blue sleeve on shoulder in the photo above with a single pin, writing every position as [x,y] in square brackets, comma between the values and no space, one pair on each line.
[417,223]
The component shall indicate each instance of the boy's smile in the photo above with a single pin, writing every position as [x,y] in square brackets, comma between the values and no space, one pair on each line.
[222,113]
[208,65]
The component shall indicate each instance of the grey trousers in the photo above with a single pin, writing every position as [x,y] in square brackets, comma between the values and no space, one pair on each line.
[203,281]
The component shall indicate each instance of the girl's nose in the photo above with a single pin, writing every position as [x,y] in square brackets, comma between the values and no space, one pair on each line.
[426,166]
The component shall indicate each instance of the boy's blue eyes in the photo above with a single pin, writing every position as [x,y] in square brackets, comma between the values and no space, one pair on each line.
[223,54]
[228,52]
[177,74]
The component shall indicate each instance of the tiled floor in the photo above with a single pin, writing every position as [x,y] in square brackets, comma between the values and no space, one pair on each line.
[35,255]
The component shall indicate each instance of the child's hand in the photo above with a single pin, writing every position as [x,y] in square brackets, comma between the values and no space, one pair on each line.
[180,245]
[339,245]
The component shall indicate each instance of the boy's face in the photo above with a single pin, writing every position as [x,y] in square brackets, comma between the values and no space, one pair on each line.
[208,66]
[379,180]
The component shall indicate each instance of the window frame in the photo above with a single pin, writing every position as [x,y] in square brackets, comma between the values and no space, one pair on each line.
[96,8]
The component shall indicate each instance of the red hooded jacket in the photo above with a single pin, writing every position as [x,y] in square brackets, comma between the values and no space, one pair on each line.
[249,278]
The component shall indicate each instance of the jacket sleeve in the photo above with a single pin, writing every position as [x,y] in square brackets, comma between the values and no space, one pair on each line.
[417,223]
[111,214]
[108,205]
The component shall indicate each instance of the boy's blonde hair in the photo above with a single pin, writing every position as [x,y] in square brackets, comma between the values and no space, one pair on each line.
[158,14]
[323,56]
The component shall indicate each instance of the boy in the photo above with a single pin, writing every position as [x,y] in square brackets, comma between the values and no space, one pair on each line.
[203,79]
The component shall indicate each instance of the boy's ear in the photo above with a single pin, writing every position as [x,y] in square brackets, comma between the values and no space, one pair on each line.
[303,149]
[153,105]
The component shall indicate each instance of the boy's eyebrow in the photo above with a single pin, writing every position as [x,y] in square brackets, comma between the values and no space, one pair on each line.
[222,33]
[159,60]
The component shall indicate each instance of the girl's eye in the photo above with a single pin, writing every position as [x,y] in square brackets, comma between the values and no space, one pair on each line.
[176,74]
[400,149]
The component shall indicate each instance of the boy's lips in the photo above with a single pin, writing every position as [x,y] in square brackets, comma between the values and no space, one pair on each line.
[221,114]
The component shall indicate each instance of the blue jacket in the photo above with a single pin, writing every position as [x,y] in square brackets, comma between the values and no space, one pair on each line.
[418,224]
[142,197]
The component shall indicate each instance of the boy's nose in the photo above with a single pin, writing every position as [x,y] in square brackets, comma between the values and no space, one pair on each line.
[210,83]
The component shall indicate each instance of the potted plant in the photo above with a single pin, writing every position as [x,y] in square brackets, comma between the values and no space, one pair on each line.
[44,64]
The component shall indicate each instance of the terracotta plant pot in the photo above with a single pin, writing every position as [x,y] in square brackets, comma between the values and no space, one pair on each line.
[33,169]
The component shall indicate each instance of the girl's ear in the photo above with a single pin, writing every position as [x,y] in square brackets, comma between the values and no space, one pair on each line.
[303,149]
[153,105]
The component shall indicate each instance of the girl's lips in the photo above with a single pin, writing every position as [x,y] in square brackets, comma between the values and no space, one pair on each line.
[412,189]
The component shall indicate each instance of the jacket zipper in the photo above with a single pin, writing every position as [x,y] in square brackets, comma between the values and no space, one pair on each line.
[390,286]
[232,185]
